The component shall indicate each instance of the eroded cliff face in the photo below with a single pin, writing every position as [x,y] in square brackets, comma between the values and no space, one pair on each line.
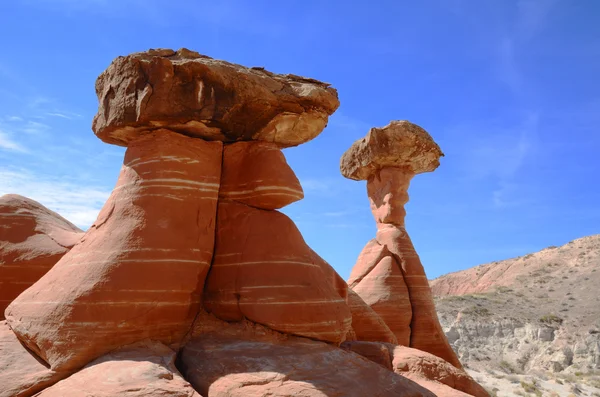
[535,314]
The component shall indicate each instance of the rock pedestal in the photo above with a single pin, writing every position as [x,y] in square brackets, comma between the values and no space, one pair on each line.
[388,274]
[139,270]
[190,258]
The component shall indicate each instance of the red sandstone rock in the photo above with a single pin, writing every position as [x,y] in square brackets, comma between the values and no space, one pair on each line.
[415,363]
[203,97]
[32,240]
[256,174]
[385,291]
[425,369]
[400,144]
[426,332]
[144,369]
[388,158]
[263,270]
[224,366]
[21,373]
[388,193]
[366,323]
[139,271]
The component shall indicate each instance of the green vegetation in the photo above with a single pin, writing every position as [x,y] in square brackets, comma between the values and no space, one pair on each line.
[551,319]
[531,387]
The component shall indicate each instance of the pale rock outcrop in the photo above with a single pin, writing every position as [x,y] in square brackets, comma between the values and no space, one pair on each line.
[139,270]
[256,174]
[388,158]
[263,271]
[144,369]
[32,240]
[207,98]
[21,373]
[225,366]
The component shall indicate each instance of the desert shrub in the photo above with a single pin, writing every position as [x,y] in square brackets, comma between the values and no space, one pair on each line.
[531,387]
[551,319]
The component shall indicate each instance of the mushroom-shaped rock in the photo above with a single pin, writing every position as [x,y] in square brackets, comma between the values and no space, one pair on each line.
[389,275]
[400,144]
[207,98]
[32,240]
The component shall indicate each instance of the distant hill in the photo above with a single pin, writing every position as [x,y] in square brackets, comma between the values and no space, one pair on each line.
[538,314]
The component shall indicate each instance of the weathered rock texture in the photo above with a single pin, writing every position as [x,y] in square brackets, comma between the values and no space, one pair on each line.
[21,373]
[144,369]
[367,325]
[400,144]
[537,313]
[189,254]
[256,174]
[32,240]
[263,271]
[388,274]
[378,280]
[421,367]
[139,270]
[222,366]
[207,98]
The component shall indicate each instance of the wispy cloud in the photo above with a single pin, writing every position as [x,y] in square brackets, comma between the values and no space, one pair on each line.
[75,200]
[7,143]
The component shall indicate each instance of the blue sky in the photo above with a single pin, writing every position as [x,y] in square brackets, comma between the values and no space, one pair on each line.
[509,89]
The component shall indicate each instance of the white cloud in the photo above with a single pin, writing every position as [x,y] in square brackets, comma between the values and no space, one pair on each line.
[7,143]
[73,199]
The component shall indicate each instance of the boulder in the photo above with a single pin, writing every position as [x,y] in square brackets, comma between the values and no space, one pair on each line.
[400,144]
[22,374]
[414,363]
[32,240]
[263,271]
[427,370]
[224,366]
[207,98]
[139,270]
[256,174]
[144,369]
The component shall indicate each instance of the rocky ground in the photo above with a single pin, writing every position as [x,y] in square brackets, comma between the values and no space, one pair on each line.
[528,324]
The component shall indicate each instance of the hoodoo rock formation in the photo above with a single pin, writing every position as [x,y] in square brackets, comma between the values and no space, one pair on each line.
[389,275]
[191,283]
[32,240]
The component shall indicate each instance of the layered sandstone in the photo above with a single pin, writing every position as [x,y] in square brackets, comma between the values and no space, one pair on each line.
[263,270]
[207,98]
[190,256]
[257,174]
[21,373]
[367,325]
[139,270]
[224,366]
[144,369]
[388,274]
[423,368]
[32,240]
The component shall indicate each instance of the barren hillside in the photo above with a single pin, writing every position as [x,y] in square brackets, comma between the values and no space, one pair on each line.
[536,314]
